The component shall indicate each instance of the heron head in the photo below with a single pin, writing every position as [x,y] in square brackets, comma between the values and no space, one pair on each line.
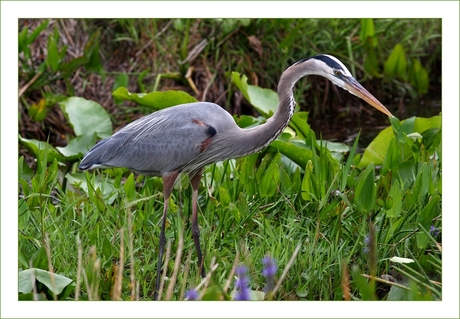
[334,70]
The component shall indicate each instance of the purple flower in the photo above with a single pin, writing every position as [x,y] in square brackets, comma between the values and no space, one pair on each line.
[367,243]
[268,272]
[434,231]
[242,284]
[270,267]
[191,294]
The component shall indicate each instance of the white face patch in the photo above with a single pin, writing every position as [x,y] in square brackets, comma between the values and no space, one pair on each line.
[329,67]
[323,65]
[342,66]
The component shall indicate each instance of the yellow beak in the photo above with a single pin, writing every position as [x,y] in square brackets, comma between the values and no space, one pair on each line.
[357,89]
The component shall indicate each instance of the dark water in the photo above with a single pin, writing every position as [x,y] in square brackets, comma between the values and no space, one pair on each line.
[345,129]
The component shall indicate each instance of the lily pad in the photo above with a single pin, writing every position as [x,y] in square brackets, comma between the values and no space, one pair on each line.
[36,146]
[78,146]
[265,101]
[28,276]
[155,100]
[377,150]
[87,117]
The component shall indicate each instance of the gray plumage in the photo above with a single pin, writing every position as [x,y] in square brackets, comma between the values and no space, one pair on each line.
[187,137]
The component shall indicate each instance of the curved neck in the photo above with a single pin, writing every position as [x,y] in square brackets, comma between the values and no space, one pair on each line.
[236,142]
[257,138]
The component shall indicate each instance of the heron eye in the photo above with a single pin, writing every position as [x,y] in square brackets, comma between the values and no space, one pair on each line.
[337,72]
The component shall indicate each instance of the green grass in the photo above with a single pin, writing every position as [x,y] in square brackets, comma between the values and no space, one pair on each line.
[103,226]
[120,228]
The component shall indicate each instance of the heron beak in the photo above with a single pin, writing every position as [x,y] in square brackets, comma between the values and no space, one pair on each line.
[357,89]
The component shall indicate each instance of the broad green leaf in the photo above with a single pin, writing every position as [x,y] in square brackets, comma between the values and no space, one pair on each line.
[120,81]
[23,214]
[53,53]
[24,171]
[247,121]
[38,111]
[97,198]
[418,77]
[224,197]
[378,148]
[307,188]
[336,147]
[432,138]
[367,34]
[430,211]
[106,184]
[285,182]
[40,258]
[347,166]
[392,156]
[422,124]
[396,199]
[254,295]
[261,168]
[406,172]
[406,128]
[242,204]
[247,167]
[22,41]
[28,276]
[69,67]
[241,83]
[369,40]
[365,191]
[420,186]
[37,32]
[396,64]
[257,295]
[78,146]
[296,181]
[371,63]
[422,240]
[129,187]
[270,178]
[36,146]
[94,61]
[155,100]
[265,101]
[296,153]
[107,248]
[87,117]
[300,124]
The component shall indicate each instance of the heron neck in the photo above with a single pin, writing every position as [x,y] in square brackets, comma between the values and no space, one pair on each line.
[261,136]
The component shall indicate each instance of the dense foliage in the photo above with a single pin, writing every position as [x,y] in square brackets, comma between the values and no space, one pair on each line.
[338,222]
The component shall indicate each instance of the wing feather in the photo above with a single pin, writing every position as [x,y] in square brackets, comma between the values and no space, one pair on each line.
[163,141]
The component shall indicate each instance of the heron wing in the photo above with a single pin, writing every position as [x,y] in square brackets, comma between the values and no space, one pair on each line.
[161,142]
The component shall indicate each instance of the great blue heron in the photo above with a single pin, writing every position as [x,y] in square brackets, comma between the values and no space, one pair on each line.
[186,137]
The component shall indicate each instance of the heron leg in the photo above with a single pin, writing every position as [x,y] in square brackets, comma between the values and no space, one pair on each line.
[195,181]
[168,184]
